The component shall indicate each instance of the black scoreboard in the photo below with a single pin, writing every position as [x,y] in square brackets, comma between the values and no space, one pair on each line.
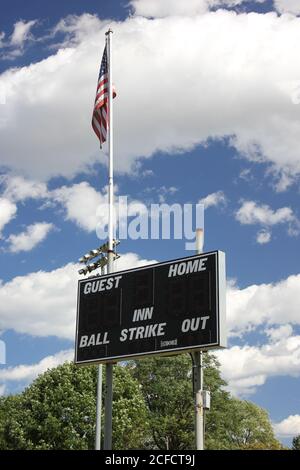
[163,308]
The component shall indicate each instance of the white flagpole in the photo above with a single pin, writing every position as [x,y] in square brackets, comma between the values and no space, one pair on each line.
[111,159]
[110,255]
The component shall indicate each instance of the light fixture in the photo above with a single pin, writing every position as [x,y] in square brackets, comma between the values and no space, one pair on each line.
[100,263]
[97,252]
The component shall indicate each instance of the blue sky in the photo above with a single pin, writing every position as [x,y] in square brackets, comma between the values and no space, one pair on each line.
[208,110]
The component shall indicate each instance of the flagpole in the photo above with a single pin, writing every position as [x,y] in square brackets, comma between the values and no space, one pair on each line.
[110,254]
[111,159]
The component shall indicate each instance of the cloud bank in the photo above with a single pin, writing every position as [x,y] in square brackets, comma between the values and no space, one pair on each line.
[241,77]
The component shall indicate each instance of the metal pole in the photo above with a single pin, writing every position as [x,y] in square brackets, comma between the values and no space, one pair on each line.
[108,407]
[98,409]
[99,400]
[198,387]
[198,372]
[111,158]
[110,254]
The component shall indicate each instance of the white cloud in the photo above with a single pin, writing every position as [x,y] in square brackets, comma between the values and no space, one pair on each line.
[288,6]
[278,333]
[222,51]
[21,32]
[7,212]
[247,367]
[2,351]
[2,94]
[2,36]
[131,260]
[246,174]
[26,373]
[263,237]
[162,9]
[76,28]
[159,9]
[288,427]
[162,192]
[82,204]
[88,208]
[2,390]
[213,199]
[18,188]
[44,303]
[251,213]
[33,235]
[265,303]
[41,303]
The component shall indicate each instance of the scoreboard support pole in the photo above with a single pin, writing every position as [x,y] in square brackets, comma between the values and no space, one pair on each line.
[108,407]
[98,409]
[198,388]
[198,373]
[110,253]
[99,402]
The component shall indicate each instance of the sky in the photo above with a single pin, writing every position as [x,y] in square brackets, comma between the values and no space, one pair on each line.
[207,111]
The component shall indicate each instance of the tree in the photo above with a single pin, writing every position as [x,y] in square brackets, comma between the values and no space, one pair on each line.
[10,407]
[166,384]
[152,409]
[249,427]
[167,389]
[57,411]
[218,417]
[296,443]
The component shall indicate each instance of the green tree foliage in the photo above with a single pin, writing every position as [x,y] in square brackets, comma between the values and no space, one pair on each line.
[167,388]
[57,411]
[153,409]
[296,443]
[217,418]
[250,427]
[230,424]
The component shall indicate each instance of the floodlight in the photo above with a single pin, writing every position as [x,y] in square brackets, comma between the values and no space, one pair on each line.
[101,262]
[94,253]
[92,266]
[83,271]
[97,252]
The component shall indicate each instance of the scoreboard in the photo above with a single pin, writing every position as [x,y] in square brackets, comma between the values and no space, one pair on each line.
[164,308]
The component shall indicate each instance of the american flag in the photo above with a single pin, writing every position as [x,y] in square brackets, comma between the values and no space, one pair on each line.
[100,119]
